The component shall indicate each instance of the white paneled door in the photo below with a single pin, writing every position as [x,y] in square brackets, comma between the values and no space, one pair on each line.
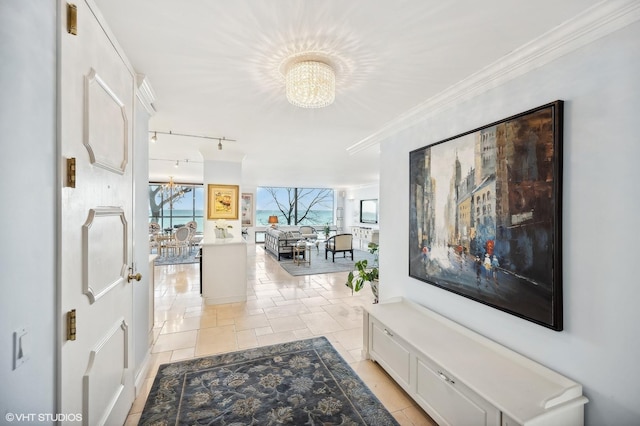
[96,95]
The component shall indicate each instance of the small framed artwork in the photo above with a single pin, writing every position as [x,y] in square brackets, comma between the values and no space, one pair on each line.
[222,201]
[369,211]
[247,209]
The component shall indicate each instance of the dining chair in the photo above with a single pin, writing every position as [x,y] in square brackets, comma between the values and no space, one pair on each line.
[180,241]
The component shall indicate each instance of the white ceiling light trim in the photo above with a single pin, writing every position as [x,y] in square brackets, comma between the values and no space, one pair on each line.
[310,84]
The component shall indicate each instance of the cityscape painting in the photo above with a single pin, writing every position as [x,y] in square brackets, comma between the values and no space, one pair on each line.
[485,215]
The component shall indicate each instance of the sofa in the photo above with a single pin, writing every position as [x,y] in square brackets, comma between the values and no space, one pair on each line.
[280,242]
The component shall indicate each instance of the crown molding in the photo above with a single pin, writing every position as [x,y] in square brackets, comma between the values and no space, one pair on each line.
[594,23]
[145,93]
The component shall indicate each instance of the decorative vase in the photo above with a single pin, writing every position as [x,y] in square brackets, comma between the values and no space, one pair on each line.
[221,233]
[374,290]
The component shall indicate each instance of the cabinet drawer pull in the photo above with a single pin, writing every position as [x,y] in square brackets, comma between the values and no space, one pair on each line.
[445,378]
[388,333]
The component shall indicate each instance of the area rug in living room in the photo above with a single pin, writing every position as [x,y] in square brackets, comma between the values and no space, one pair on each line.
[321,266]
[297,383]
[180,259]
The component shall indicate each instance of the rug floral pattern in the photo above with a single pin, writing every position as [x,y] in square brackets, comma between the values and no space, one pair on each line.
[298,383]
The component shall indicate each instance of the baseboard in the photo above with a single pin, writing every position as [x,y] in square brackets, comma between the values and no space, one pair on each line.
[142,373]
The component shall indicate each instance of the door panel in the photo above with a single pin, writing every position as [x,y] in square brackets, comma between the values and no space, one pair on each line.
[96,95]
[103,382]
[105,260]
[106,125]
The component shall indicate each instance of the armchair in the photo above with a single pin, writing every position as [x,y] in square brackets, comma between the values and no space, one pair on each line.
[308,232]
[341,243]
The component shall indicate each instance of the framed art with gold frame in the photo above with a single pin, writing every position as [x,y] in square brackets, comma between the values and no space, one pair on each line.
[222,202]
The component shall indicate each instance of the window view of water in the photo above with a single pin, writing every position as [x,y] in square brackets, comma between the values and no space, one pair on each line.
[177,218]
[301,206]
[174,206]
[315,217]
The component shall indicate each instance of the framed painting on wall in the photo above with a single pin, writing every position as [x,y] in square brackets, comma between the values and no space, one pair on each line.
[485,215]
[247,209]
[222,202]
[369,211]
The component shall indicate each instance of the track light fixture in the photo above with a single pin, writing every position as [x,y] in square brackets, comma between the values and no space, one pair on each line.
[220,140]
[176,163]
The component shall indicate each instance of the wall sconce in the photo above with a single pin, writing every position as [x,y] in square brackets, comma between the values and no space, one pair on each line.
[273,220]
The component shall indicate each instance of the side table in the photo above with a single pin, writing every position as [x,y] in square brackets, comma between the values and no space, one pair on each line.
[302,248]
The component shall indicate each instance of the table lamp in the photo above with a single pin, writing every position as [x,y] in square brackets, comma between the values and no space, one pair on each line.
[273,220]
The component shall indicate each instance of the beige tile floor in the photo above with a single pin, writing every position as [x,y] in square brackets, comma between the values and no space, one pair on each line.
[279,308]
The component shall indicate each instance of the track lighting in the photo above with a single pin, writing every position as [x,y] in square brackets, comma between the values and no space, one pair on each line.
[176,163]
[220,140]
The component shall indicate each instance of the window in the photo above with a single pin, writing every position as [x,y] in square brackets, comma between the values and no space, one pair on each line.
[174,206]
[294,206]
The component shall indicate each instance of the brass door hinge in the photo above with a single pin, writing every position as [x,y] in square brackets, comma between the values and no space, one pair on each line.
[71,172]
[72,19]
[71,325]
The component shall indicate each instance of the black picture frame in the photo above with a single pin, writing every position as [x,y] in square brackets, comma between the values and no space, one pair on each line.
[369,211]
[495,191]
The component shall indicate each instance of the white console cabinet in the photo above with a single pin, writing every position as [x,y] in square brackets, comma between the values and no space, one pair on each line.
[462,378]
[365,236]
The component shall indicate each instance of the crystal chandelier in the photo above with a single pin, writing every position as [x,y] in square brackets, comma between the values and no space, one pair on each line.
[172,192]
[310,84]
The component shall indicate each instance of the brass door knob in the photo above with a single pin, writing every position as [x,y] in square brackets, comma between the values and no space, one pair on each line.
[136,277]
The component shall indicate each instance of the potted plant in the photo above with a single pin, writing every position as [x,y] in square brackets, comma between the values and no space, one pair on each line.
[365,273]
[327,231]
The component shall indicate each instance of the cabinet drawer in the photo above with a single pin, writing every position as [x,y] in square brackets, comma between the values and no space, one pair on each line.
[390,352]
[454,403]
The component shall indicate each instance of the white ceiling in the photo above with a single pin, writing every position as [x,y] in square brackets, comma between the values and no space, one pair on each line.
[215,68]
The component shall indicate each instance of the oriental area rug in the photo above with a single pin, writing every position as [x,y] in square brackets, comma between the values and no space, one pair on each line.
[305,382]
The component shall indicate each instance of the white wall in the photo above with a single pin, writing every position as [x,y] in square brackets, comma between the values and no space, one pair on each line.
[600,344]
[27,212]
